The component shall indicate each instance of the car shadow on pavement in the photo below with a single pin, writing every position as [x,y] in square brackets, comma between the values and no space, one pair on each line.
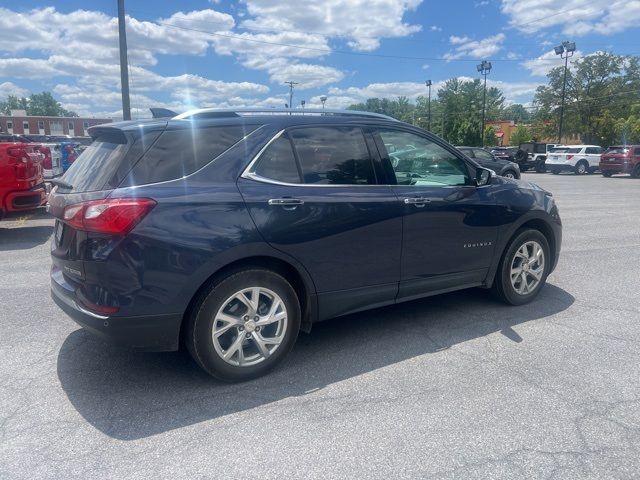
[130,395]
[24,237]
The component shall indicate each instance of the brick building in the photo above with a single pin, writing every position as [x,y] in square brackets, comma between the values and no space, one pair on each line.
[22,124]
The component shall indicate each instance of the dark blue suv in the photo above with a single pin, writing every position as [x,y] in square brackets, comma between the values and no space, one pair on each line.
[231,231]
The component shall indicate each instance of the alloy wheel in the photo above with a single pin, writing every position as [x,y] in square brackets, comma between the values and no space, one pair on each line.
[249,327]
[527,267]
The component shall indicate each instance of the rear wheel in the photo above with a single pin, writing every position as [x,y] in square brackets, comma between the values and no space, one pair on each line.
[607,174]
[540,165]
[523,268]
[636,171]
[555,171]
[244,325]
[581,167]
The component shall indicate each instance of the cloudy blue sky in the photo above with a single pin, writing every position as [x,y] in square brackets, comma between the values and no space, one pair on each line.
[217,53]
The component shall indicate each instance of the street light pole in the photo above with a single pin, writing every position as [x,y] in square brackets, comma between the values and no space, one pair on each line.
[124,64]
[291,84]
[484,68]
[565,51]
[428,84]
[323,99]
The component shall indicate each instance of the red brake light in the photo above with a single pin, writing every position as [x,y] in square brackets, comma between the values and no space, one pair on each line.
[569,157]
[112,215]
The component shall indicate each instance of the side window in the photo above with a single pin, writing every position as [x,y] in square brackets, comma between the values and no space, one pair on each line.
[592,150]
[482,155]
[636,151]
[277,162]
[418,161]
[333,155]
[180,152]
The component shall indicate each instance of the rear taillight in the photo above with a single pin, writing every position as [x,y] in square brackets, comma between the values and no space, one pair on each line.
[569,157]
[113,215]
[17,155]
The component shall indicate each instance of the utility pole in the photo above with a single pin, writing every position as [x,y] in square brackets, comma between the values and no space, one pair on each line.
[565,51]
[291,85]
[124,64]
[428,84]
[484,68]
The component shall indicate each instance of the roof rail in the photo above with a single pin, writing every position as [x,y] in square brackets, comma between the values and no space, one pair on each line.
[238,112]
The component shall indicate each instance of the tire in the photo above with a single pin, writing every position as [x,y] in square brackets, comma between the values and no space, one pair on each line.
[540,165]
[521,156]
[635,173]
[581,168]
[509,174]
[607,174]
[508,291]
[240,337]
[555,171]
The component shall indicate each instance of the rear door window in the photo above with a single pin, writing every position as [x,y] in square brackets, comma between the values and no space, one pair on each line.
[574,150]
[180,152]
[278,162]
[333,155]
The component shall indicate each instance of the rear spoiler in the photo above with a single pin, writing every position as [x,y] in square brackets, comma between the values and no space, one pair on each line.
[162,113]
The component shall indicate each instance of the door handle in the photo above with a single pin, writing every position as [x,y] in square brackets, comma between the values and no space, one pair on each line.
[287,203]
[417,201]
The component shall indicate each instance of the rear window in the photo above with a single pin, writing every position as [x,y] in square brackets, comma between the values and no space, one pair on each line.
[181,152]
[559,150]
[617,150]
[105,163]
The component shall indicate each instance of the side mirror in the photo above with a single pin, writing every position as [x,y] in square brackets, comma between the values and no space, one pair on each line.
[483,176]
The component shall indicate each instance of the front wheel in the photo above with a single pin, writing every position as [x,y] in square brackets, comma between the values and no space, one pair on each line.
[555,171]
[509,174]
[243,325]
[523,268]
[607,174]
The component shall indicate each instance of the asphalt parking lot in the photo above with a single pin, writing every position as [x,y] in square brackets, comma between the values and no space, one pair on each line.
[456,386]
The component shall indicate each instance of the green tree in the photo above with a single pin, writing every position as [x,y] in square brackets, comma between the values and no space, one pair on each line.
[517,113]
[595,83]
[490,138]
[13,103]
[44,104]
[521,135]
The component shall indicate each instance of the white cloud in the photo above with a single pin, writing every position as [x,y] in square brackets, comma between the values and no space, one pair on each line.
[367,22]
[9,88]
[466,47]
[426,66]
[576,17]
[343,97]
[435,28]
[543,64]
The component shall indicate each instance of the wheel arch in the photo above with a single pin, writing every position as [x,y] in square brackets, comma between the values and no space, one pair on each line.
[301,283]
[536,223]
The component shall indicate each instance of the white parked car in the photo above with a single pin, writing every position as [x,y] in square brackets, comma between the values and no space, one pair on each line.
[52,167]
[579,159]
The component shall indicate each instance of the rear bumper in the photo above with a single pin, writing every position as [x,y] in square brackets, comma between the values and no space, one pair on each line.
[20,200]
[616,167]
[158,333]
[559,166]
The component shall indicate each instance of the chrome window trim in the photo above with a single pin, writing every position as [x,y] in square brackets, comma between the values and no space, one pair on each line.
[250,175]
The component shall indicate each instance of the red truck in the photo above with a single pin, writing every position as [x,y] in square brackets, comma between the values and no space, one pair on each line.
[621,159]
[21,177]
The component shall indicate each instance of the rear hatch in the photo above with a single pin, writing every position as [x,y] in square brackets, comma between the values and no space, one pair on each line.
[615,155]
[89,224]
